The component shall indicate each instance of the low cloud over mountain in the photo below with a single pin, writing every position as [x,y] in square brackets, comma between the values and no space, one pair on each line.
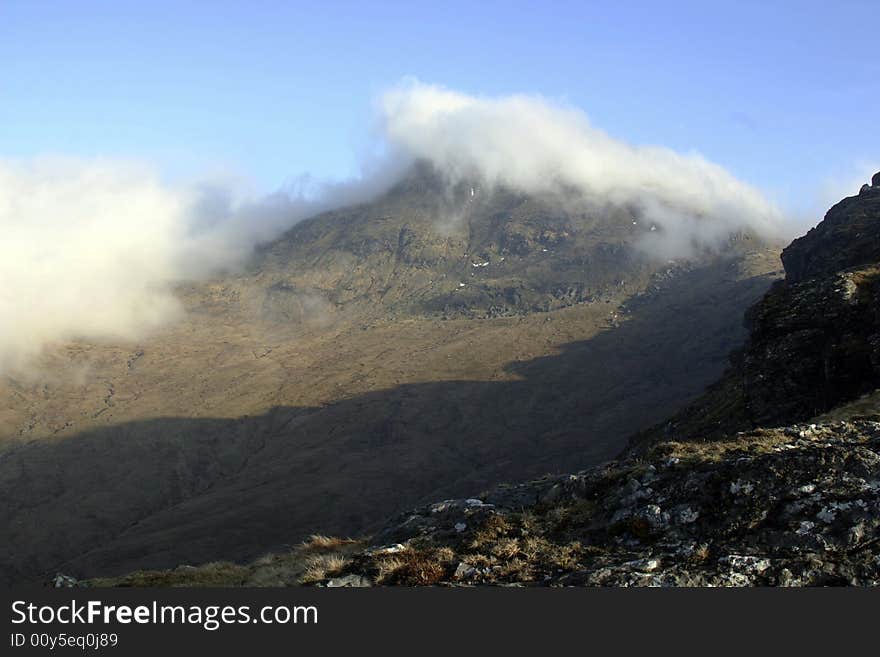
[92,248]
[532,145]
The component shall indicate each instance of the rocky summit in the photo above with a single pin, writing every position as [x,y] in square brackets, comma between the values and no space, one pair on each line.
[771,478]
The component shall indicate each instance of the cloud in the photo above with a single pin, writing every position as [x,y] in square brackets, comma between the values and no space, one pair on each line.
[93,249]
[538,147]
[86,249]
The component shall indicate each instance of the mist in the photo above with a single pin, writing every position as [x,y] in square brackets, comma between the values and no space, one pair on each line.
[539,147]
[93,248]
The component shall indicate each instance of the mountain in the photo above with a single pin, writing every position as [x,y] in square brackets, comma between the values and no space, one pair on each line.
[436,341]
[691,502]
[427,248]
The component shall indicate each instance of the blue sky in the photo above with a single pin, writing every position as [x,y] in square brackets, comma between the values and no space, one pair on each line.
[785,95]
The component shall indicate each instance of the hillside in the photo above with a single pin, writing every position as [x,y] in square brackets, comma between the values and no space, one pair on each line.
[425,345]
[693,502]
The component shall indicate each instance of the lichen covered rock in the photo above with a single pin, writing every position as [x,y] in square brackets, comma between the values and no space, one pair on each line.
[793,506]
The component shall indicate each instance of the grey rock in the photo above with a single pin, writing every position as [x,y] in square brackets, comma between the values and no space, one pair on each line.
[350,581]
[464,571]
[62,581]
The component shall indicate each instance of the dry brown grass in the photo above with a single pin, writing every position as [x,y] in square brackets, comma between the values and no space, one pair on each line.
[321,542]
[506,548]
[494,527]
[415,567]
[503,548]
[500,548]
[754,443]
[322,566]
[387,567]
[701,554]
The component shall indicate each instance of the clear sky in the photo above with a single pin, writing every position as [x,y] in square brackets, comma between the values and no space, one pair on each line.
[785,95]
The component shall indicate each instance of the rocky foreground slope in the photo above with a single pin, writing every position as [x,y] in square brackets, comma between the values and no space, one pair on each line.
[694,502]
[792,506]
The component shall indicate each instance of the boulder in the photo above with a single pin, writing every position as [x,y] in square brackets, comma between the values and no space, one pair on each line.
[62,581]
[350,581]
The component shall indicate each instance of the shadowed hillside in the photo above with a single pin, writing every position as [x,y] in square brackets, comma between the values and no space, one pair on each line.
[157,493]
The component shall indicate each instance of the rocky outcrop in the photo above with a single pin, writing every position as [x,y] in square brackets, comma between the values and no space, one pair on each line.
[793,506]
[814,344]
[848,236]
[814,339]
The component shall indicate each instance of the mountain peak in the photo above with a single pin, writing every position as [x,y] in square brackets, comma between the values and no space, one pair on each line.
[848,236]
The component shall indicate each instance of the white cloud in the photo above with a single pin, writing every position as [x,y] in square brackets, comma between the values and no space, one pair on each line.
[85,249]
[93,248]
[532,145]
